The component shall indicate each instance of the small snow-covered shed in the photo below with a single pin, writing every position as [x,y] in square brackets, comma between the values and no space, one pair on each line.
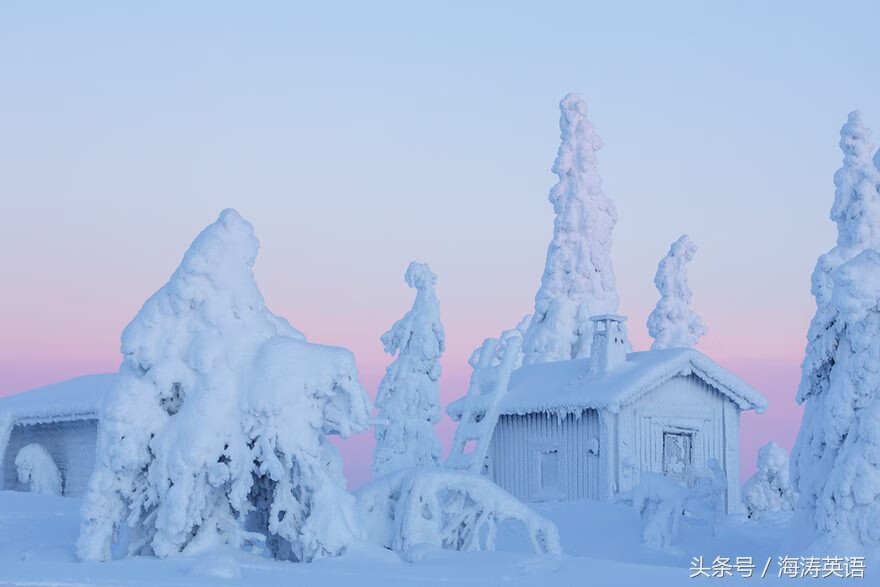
[63,419]
[587,428]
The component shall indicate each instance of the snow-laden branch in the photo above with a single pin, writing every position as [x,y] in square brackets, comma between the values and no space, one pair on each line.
[446,509]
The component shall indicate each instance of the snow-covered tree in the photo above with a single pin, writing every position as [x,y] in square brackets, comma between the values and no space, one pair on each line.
[838,376]
[769,489]
[673,323]
[847,503]
[36,468]
[407,397]
[578,280]
[216,430]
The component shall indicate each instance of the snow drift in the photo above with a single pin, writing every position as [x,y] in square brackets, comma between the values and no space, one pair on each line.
[36,468]
[769,489]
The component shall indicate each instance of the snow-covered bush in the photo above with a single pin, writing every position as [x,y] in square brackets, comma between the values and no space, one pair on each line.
[216,430]
[769,489]
[662,502]
[578,280]
[446,509]
[36,468]
[407,398]
[835,467]
[704,499]
[672,323]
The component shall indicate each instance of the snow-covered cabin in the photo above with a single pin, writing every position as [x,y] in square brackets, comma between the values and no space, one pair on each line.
[63,419]
[586,428]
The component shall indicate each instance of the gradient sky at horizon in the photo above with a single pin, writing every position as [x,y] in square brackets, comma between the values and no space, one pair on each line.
[357,137]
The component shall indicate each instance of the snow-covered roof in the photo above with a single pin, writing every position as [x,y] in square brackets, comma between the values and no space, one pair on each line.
[67,400]
[571,387]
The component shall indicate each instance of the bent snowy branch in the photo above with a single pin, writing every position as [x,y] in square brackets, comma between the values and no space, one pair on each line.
[447,509]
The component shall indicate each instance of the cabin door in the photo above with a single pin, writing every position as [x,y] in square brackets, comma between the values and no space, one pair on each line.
[678,455]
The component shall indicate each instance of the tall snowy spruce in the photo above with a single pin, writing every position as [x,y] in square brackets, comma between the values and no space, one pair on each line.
[836,458]
[578,280]
[216,431]
[407,398]
[672,323]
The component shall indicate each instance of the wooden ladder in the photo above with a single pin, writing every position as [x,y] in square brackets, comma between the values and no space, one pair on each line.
[486,389]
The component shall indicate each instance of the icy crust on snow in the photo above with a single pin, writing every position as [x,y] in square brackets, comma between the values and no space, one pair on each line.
[578,280]
[215,431]
[565,387]
[407,398]
[446,509]
[74,398]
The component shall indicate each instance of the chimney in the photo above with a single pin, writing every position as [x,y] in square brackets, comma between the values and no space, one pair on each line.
[608,349]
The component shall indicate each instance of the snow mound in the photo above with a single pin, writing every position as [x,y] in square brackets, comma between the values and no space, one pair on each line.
[446,509]
[769,489]
[215,431]
[217,566]
[662,502]
[36,468]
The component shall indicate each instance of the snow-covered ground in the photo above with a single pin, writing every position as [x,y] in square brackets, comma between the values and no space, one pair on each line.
[602,545]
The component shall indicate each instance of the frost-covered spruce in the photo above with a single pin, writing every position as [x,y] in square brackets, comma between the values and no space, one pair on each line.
[837,375]
[216,431]
[578,280]
[673,323]
[407,397]
[769,489]
[848,502]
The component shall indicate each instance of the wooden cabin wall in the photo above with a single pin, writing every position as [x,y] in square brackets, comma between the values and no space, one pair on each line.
[519,449]
[71,444]
[683,404]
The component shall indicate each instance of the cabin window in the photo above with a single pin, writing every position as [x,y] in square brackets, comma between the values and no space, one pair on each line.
[678,455]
